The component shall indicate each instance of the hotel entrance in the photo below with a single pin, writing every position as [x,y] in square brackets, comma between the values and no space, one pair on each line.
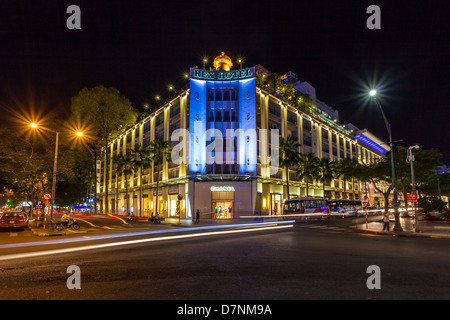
[222,204]
[276,203]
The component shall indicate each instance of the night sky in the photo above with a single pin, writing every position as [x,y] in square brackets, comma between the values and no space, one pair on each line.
[140,47]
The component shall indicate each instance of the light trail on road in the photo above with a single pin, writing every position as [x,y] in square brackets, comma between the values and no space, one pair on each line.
[138,241]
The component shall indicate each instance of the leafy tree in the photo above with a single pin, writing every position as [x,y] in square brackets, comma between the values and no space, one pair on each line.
[430,203]
[307,168]
[425,164]
[379,173]
[345,168]
[107,114]
[289,155]
[274,82]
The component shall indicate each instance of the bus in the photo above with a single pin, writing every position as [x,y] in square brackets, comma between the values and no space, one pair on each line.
[306,208]
[345,207]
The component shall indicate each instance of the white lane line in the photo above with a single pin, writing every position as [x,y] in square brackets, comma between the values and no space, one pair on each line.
[122,243]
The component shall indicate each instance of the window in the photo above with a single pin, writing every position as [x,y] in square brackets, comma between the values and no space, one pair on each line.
[226,116]
[211,95]
[218,115]
[306,125]
[210,116]
[218,95]
[307,141]
[226,96]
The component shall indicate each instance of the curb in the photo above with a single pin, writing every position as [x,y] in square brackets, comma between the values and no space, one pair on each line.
[52,234]
[403,233]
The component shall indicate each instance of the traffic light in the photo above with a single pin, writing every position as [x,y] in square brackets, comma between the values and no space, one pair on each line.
[8,202]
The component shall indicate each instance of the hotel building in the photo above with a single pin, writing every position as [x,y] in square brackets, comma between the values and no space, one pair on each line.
[223,129]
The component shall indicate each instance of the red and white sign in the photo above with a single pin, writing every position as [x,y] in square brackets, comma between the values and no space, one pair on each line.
[411,197]
[47,196]
[365,201]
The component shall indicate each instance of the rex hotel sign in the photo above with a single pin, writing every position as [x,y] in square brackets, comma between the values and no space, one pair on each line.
[213,75]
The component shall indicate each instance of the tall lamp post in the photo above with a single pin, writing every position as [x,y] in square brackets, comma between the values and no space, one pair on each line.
[397,226]
[55,169]
[410,159]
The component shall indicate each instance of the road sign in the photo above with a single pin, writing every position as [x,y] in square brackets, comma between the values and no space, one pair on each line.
[411,197]
[365,201]
[47,201]
[47,196]
[39,205]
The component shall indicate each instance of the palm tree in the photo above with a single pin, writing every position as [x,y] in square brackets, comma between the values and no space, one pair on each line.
[307,167]
[325,172]
[347,169]
[159,150]
[125,166]
[141,162]
[288,155]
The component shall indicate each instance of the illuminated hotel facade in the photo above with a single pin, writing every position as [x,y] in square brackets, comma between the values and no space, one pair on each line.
[227,129]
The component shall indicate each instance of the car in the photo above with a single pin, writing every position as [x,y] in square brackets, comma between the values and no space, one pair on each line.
[13,220]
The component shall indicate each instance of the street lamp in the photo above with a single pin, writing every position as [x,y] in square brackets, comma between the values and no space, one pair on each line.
[397,226]
[410,158]
[55,168]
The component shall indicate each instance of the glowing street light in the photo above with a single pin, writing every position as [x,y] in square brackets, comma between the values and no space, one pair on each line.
[397,226]
[55,168]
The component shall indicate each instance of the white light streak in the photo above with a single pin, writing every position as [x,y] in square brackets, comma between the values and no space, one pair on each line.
[131,242]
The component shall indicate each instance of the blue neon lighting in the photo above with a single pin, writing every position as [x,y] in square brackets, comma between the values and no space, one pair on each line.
[370,143]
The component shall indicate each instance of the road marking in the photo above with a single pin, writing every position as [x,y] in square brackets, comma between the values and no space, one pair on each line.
[118,218]
[371,234]
[129,242]
[88,222]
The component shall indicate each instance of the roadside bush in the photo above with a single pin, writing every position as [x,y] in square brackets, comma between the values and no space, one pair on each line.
[431,203]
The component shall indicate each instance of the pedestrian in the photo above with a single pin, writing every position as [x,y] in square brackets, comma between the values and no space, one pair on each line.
[386,222]
[197,216]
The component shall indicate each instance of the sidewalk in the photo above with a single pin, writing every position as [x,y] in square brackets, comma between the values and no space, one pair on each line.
[435,229]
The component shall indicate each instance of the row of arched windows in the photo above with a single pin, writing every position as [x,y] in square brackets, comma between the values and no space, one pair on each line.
[222,95]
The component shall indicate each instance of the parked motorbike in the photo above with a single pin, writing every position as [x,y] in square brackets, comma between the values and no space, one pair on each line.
[72,223]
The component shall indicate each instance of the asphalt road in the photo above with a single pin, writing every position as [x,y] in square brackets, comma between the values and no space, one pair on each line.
[308,261]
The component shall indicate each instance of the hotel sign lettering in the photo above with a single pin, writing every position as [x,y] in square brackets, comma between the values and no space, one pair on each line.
[240,74]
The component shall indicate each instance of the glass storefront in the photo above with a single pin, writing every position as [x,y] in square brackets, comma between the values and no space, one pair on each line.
[222,204]
[276,203]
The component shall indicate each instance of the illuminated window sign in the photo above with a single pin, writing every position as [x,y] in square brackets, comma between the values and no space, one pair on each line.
[222,188]
[223,75]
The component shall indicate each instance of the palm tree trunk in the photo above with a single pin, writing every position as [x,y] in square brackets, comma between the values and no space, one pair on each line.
[106,204]
[140,191]
[307,187]
[345,189]
[117,193]
[287,181]
[128,196]
[353,188]
[157,190]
